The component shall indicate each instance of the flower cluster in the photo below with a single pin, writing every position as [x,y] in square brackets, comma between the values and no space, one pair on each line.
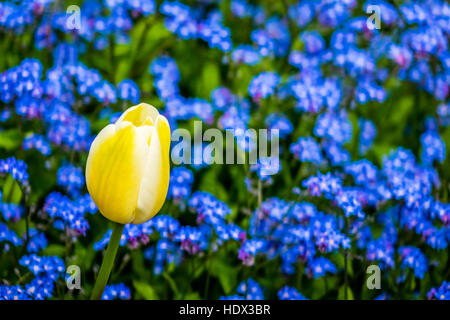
[16,168]
[67,214]
[167,76]
[441,293]
[360,114]
[247,290]
[46,271]
[116,291]
[180,184]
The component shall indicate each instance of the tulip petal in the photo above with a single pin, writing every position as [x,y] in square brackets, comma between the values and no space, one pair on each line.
[155,183]
[114,170]
[142,114]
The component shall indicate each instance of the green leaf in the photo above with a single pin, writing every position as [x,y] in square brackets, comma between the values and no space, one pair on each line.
[11,191]
[147,40]
[138,265]
[83,256]
[380,150]
[10,139]
[152,34]
[399,112]
[227,276]
[98,125]
[145,290]
[54,250]
[210,80]
[341,293]
[319,288]
[209,183]
[172,283]
[339,261]
[192,296]
[198,272]
[242,79]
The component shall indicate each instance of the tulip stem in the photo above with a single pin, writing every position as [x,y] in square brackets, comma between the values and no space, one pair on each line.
[108,261]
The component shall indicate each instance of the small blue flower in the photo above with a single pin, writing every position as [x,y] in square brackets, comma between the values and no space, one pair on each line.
[37,241]
[8,235]
[116,291]
[247,290]
[302,13]
[280,122]
[128,90]
[250,249]
[274,39]
[245,54]
[222,98]
[367,134]
[180,183]
[17,169]
[263,85]
[441,293]
[49,266]
[289,293]
[318,267]
[314,43]
[67,213]
[326,184]
[266,167]
[336,127]
[241,9]
[15,292]
[71,178]
[336,153]
[11,211]
[433,147]
[414,258]
[38,142]
[306,150]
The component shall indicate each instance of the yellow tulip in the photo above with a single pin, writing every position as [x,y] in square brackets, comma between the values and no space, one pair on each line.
[127,170]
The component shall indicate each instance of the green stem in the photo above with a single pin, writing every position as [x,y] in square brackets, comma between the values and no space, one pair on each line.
[300,275]
[108,260]
[112,59]
[208,274]
[25,192]
[345,275]
[260,195]
[122,266]
[346,262]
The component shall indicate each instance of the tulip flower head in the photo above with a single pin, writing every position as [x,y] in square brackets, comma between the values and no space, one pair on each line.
[127,170]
